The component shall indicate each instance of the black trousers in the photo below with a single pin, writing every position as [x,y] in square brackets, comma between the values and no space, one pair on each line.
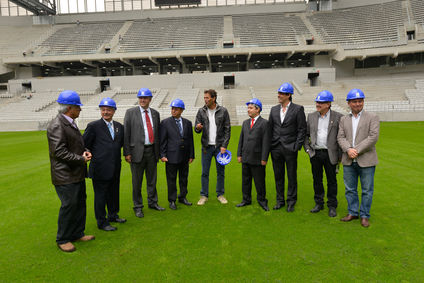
[106,194]
[280,160]
[171,178]
[319,161]
[257,172]
[149,164]
[72,213]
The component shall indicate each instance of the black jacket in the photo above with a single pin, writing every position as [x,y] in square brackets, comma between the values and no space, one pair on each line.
[223,126]
[106,160]
[253,144]
[177,148]
[66,147]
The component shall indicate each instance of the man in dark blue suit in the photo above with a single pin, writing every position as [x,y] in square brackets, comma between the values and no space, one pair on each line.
[177,150]
[105,138]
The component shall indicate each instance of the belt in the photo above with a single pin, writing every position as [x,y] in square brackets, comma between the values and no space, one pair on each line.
[148,145]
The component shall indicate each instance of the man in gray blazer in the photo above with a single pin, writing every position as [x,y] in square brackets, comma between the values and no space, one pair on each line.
[358,134]
[324,152]
[141,149]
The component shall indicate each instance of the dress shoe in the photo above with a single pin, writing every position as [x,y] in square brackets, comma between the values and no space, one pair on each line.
[265,207]
[67,247]
[156,207]
[278,206]
[348,218]
[317,208]
[172,205]
[243,203]
[332,212]
[86,238]
[222,200]
[118,220]
[184,201]
[290,207]
[108,228]
[139,213]
[364,222]
[202,200]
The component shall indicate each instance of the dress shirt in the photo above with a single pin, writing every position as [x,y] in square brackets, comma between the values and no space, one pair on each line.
[256,118]
[180,121]
[212,126]
[355,123]
[111,125]
[283,114]
[70,120]
[322,133]
[143,118]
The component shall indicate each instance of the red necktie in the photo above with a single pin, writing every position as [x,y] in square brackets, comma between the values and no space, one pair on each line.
[251,123]
[149,128]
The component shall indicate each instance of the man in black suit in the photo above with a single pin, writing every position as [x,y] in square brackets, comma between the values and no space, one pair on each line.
[177,150]
[141,149]
[253,151]
[287,125]
[105,138]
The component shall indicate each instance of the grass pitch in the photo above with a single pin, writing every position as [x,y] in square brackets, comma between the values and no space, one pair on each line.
[218,242]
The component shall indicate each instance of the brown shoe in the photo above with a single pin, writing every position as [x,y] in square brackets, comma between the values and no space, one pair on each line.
[348,218]
[86,238]
[67,247]
[364,222]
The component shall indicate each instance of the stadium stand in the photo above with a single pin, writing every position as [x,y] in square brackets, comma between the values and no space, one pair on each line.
[418,11]
[15,39]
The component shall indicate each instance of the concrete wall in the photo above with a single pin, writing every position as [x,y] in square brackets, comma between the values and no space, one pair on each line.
[345,68]
[342,4]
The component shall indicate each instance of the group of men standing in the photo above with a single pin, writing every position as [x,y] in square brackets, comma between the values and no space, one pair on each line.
[327,136]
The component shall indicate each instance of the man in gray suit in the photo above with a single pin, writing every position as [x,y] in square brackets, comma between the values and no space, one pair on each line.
[141,149]
[358,134]
[324,152]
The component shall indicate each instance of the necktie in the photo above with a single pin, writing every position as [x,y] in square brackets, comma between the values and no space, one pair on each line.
[149,127]
[251,123]
[179,126]
[112,133]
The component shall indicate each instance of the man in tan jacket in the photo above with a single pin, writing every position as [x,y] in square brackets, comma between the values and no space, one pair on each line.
[358,134]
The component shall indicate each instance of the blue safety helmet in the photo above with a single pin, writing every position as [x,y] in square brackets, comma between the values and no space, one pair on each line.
[355,93]
[225,158]
[109,102]
[177,103]
[324,96]
[144,92]
[286,88]
[255,101]
[69,97]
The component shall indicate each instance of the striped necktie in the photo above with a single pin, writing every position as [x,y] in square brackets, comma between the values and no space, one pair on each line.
[112,133]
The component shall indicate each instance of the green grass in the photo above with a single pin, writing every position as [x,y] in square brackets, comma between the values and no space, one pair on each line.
[216,242]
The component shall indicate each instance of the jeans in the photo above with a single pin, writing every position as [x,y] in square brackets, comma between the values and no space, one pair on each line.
[350,177]
[207,154]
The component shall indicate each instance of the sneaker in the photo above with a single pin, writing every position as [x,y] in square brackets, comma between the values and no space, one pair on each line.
[222,200]
[202,200]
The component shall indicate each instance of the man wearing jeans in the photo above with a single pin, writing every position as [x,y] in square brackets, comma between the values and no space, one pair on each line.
[358,134]
[214,121]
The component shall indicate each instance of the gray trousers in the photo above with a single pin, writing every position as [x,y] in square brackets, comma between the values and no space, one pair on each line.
[148,164]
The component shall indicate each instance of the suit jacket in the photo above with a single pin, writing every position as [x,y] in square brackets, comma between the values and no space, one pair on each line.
[66,146]
[366,137]
[177,148]
[291,133]
[334,151]
[106,160]
[134,133]
[254,142]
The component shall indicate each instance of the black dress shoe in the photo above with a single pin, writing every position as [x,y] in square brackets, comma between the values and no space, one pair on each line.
[265,207]
[290,208]
[172,205]
[243,203]
[317,208]
[332,212]
[278,206]
[108,228]
[118,220]
[157,207]
[184,201]
[139,213]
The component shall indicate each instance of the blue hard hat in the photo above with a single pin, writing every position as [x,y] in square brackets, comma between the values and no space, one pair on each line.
[109,102]
[355,93]
[69,97]
[225,158]
[255,101]
[324,96]
[286,88]
[177,103]
[144,92]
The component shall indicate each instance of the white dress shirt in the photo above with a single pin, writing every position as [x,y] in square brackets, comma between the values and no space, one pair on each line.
[323,122]
[143,118]
[355,123]
[283,114]
[212,126]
